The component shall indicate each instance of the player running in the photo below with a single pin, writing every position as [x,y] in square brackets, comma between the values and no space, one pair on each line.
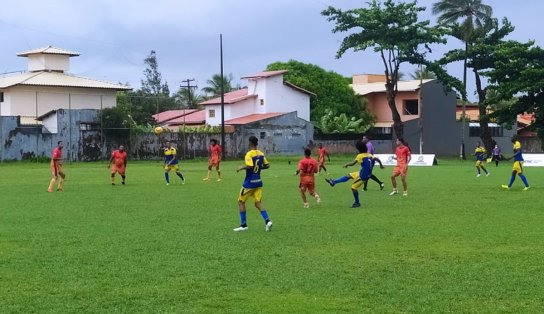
[214,160]
[171,162]
[518,165]
[119,160]
[255,161]
[56,168]
[322,152]
[362,175]
[307,167]
[403,156]
[479,152]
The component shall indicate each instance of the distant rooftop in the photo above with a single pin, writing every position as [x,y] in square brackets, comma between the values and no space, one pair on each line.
[48,50]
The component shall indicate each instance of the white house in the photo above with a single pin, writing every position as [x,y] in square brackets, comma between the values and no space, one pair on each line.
[47,86]
[266,93]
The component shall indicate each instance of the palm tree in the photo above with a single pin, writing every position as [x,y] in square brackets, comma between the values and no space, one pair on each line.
[423,74]
[214,85]
[473,14]
[187,98]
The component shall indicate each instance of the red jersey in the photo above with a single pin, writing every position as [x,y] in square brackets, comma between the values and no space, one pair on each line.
[322,152]
[403,155]
[119,158]
[56,156]
[215,152]
[308,167]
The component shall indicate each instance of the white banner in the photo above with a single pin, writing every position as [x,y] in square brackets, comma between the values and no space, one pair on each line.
[533,160]
[417,159]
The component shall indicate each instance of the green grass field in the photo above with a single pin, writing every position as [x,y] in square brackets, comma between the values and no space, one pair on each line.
[457,243]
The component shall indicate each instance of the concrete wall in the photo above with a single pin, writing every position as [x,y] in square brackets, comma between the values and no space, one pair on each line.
[19,142]
[286,134]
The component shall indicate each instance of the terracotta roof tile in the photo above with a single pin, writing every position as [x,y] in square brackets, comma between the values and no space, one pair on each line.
[230,97]
[254,118]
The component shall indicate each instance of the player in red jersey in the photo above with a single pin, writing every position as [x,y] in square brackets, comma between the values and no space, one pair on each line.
[307,167]
[322,152]
[214,160]
[119,160]
[403,156]
[56,168]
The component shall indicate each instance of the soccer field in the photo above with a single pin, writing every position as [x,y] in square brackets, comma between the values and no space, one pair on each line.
[457,243]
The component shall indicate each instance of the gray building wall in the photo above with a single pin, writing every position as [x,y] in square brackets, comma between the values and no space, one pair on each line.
[20,142]
[286,134]
[439,130]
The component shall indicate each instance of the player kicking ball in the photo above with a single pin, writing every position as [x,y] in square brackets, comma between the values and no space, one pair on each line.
[366,161]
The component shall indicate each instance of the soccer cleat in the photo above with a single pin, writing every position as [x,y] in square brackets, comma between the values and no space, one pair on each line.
[317,199]
[355,205]
[394,192]
[268,226]
[219,180]
[487,174]
[382,185]
[205,179]
[112,183]
[123,183]
[504,186]
[50,190]
[478,175]
[60,190]
[330,181]
[167,184]
[526,188]
[405,193]
[241,228]
[306,205]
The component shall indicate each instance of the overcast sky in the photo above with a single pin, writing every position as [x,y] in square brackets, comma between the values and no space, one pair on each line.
[113,37]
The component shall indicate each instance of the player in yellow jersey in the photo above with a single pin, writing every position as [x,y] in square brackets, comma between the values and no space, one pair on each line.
[518,165]
[171,162]
[479,152]
[255,161]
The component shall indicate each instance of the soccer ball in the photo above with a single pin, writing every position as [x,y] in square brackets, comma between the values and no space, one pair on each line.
[158,130]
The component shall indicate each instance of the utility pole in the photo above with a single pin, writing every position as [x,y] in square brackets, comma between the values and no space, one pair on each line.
[190,104]
[189,87]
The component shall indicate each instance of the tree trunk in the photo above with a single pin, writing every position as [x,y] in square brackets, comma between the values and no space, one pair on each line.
[485,134]
[398,125]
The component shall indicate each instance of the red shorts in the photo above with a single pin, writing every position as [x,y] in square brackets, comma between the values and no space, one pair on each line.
[307,185]
[118,169]
[401,170]
[214,162]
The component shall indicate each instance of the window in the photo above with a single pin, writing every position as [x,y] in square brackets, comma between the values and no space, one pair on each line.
[410,107]
[211,113]
[84,126]
[262,102]
[1,96]
[495,130]
[262,135]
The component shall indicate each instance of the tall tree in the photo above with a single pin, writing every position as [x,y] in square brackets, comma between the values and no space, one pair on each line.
[333,91]
[214,85]
[518,78]
[392,30]
[153,84]
[480,58]
[471,14]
